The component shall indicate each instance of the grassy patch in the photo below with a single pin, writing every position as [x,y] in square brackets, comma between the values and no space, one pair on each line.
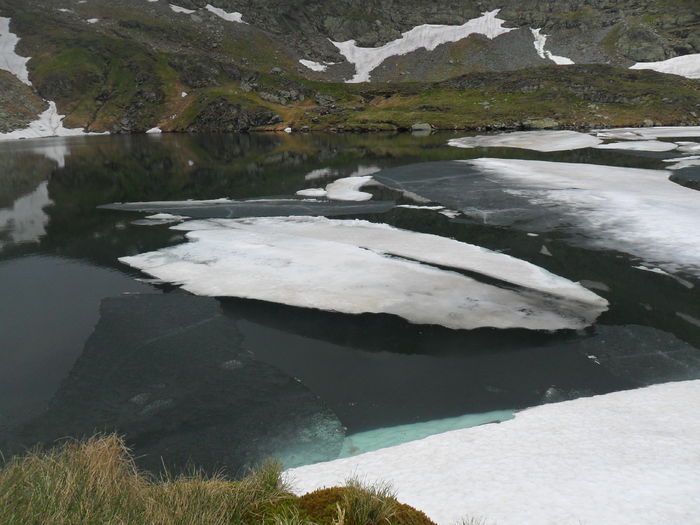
[96,482]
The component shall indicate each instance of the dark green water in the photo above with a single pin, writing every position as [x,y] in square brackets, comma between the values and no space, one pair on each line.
[84,346]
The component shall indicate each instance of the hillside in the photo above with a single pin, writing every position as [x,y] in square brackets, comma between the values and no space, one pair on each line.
[231,65]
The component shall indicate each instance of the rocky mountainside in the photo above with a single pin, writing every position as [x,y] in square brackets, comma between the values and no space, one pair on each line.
[228,65]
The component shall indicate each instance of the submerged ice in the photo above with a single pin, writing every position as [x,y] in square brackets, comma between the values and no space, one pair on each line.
[358,267]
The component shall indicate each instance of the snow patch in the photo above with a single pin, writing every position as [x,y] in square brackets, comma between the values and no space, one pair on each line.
[179,9]
[687,66]
[621,458]
[48,124]
[9,60]
[155,130]
[352,267]
[536,140]
[229,17]
[313,66]
[428,36]
[92,20]
[638,211]
[540,42]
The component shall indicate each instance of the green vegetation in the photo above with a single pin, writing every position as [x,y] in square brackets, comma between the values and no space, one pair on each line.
[96,482]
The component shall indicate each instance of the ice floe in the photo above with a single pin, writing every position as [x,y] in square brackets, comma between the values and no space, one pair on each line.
[686,66]
[360,267]
[227,208]
[621,458]
[640,145]
[683,162]
[229,17]
[540,42]
[345,189]
[638,211]
[428,36]
[688,147]
[535,140]
[649,133]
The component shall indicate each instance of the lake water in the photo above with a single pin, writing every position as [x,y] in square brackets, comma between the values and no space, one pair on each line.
[89,344]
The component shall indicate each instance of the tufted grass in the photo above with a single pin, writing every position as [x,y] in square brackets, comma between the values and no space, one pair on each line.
[96,482]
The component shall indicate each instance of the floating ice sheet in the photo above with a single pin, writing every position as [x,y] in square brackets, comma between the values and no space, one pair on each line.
[686,66]
[428,36]
[354,267]
[627,457]
[640,145]
[634,210]
[535,140]
[683,162]
[227,208]
[345,189]
[650,133]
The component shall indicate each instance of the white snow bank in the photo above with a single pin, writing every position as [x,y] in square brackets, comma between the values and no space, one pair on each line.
[638,211]
[156,130]
[351,267]
[92,20]
[650,133]
[179,9]
[536,140]
[48,124]
[428,36]
[229,17]
[26,220]
[313,66]
[540,42]
[618,459]
[9,60]
[640,145]
[686,66]
[683,162]
[345,189]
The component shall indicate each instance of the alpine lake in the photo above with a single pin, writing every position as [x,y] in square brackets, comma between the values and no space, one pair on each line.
[89,344]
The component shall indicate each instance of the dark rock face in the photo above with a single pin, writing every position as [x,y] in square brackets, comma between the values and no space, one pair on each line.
[223,115]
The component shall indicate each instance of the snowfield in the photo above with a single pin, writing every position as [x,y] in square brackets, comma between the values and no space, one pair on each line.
[49,123]
[686,66]
[618,459]
[428,36]
[359,267]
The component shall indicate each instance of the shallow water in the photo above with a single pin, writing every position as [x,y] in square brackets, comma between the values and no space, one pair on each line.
[86,346]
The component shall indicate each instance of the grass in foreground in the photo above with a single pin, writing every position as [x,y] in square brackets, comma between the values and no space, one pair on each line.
[96,482]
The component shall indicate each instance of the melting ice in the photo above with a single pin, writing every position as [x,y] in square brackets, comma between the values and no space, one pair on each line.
[359,267]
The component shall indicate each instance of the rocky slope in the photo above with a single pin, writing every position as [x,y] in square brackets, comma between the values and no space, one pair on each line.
[230,65]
